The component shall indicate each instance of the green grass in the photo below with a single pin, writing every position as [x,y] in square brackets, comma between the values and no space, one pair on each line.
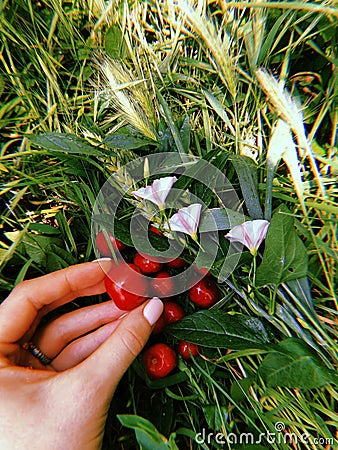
[189,80]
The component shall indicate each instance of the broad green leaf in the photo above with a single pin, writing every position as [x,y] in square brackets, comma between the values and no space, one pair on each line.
[214,328]
[43,228]
[36,246]
[295,365]
[246,170]
[54,262]
[215,416]
[123,141]
[240,389]
[285,255]
[220,219]
[114,44]
[147,435]
[62,253]
[63,142]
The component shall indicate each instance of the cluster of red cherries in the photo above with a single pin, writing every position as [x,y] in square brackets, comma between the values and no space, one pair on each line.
[160,359]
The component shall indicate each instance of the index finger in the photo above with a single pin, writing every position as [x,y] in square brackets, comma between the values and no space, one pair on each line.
[21,307]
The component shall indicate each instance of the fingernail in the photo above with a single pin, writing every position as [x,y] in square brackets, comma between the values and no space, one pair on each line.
[105,264]
[153,310]
[102,259]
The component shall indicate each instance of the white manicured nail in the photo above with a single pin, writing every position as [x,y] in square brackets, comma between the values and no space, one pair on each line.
[153,310]
[102,259]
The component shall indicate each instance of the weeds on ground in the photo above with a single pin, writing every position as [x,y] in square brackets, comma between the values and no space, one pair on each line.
[87,87]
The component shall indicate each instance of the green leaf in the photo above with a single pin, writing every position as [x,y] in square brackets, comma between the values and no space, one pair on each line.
[21,275]
[216,416]
[36,246]
[220,219]
[114,44]
[185,134]
[65,229]
[240,389]
[299,290]
[147,435]
[214,328]
[54,262]
[218,108]
[295,365]
[171,123]
[285,255]
[64,142]
[123,141]
[44,228]
[247,173]
[66,256]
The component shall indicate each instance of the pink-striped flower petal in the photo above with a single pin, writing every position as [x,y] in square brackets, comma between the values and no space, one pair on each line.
[251,234]
[186,220]
[157,192]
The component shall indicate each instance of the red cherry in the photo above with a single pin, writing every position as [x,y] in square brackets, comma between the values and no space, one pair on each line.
[159,325]
[147,264]
[177,263]
[187,349]
[126,286]
[162,285]
[155,230]
[103,247]
[204,293]
[172,312]
[159,360]
[202,270]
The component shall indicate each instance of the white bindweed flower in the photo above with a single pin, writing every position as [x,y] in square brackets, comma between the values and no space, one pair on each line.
[251,234]
[185,220]
[157,192]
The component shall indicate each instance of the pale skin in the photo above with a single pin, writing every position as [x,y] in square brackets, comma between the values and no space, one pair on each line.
[64,405]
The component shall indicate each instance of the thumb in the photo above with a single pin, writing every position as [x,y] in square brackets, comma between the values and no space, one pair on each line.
[105,367]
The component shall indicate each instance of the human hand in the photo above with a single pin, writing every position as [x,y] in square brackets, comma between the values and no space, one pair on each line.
[64,405]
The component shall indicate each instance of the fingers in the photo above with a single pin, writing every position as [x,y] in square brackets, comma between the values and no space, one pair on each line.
[55,336]
[81,348]
[21,307]
[103,369]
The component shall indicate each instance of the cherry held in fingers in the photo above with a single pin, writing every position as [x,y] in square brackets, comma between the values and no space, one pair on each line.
[103,246]
[159,360]
[126,286]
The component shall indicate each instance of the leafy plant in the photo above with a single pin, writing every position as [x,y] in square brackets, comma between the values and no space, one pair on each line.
[88,87]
